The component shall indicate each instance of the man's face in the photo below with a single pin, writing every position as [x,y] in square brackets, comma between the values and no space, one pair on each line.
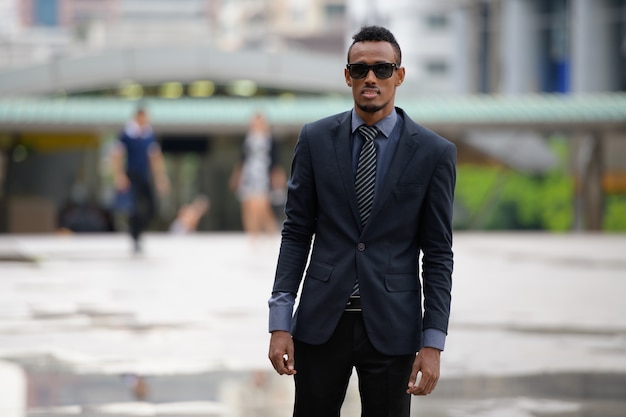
[373,97]
[142,119]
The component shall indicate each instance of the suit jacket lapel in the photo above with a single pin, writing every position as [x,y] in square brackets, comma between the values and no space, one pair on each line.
[341,141]
[408,144]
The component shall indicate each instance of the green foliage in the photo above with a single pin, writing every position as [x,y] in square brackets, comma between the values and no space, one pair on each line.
[615,214]
[497,198]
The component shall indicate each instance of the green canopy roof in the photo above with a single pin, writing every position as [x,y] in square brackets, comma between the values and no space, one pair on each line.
[569,112]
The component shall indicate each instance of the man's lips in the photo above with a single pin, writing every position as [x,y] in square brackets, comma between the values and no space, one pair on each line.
[369,92]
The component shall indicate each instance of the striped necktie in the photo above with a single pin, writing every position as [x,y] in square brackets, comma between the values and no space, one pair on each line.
[366,173]
[365,180]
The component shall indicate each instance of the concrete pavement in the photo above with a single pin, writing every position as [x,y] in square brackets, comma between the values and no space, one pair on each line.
[538,326]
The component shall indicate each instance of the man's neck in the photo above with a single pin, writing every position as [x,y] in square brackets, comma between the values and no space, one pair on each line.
[372,118]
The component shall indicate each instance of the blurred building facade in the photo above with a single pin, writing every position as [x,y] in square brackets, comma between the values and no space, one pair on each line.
[134,49]
[216,49]
[38,30]
[506,46]
[515,48]
[544,46]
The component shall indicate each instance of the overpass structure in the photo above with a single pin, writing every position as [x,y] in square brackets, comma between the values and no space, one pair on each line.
[306,72]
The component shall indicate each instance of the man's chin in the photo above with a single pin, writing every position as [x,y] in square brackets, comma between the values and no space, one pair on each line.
[369,108]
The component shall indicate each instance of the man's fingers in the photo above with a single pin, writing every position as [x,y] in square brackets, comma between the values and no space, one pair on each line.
[289,361]
[284,364]
[425,373]
[281,353]
[414,378]
[279,361]
[425,385]
[279,364]
[416,384]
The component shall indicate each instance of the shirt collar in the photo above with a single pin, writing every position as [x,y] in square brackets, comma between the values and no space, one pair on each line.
[133,130]
[385,125]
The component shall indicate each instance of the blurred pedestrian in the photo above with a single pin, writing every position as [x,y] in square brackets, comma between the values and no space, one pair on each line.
[138,167]
[137,385]
[257,177]
[189,216]
[373,188]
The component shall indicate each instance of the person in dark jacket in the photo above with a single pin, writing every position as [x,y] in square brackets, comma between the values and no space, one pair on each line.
[139,168]
[370,191]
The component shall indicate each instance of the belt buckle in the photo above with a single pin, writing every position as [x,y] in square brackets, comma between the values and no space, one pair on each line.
[353,304]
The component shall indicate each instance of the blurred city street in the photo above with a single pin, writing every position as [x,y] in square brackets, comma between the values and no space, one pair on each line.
[89,329]
[165,116]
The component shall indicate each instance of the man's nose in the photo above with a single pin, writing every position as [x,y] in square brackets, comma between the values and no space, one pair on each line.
[370,76]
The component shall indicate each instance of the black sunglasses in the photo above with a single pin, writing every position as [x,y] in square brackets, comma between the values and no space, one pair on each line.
[382,71]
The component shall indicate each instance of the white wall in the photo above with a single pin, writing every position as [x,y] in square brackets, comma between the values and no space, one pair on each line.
[13,391]
[8,17]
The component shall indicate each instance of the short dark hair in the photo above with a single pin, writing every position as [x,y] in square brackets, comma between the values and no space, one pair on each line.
[377,34]
[141,108]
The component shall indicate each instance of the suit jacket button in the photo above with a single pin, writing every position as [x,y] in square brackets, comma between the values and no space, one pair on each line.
[361,246]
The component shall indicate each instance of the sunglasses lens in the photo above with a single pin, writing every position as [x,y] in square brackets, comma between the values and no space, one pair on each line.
[383,71]
[359,70]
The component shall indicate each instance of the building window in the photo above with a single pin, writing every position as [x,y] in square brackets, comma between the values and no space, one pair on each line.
[555,39]
[437,68]
[618,35]
[484,54]
[436,21]
[335,12]
[45,13]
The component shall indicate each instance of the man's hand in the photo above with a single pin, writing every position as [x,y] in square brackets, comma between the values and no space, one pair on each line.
[122,183]
[427,363]
[281,353]
[162,185]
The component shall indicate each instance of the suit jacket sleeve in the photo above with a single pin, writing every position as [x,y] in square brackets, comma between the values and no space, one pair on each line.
[436,242]
[299,226]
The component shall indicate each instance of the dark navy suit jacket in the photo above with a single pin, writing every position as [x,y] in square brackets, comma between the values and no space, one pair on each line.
[411,213]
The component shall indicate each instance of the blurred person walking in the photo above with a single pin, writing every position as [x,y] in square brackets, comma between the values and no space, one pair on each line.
[189,215]
[370,189]
[256,177]
[138,167]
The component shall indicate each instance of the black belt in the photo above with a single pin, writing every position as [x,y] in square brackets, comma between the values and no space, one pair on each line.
[354,304]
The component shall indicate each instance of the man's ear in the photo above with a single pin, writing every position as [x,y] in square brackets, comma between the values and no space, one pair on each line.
[400,76]
[346,74]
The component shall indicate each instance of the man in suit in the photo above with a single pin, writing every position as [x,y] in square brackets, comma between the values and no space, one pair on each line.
[361,298]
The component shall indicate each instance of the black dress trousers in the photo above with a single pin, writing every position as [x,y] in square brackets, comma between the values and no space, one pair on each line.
[323,374]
